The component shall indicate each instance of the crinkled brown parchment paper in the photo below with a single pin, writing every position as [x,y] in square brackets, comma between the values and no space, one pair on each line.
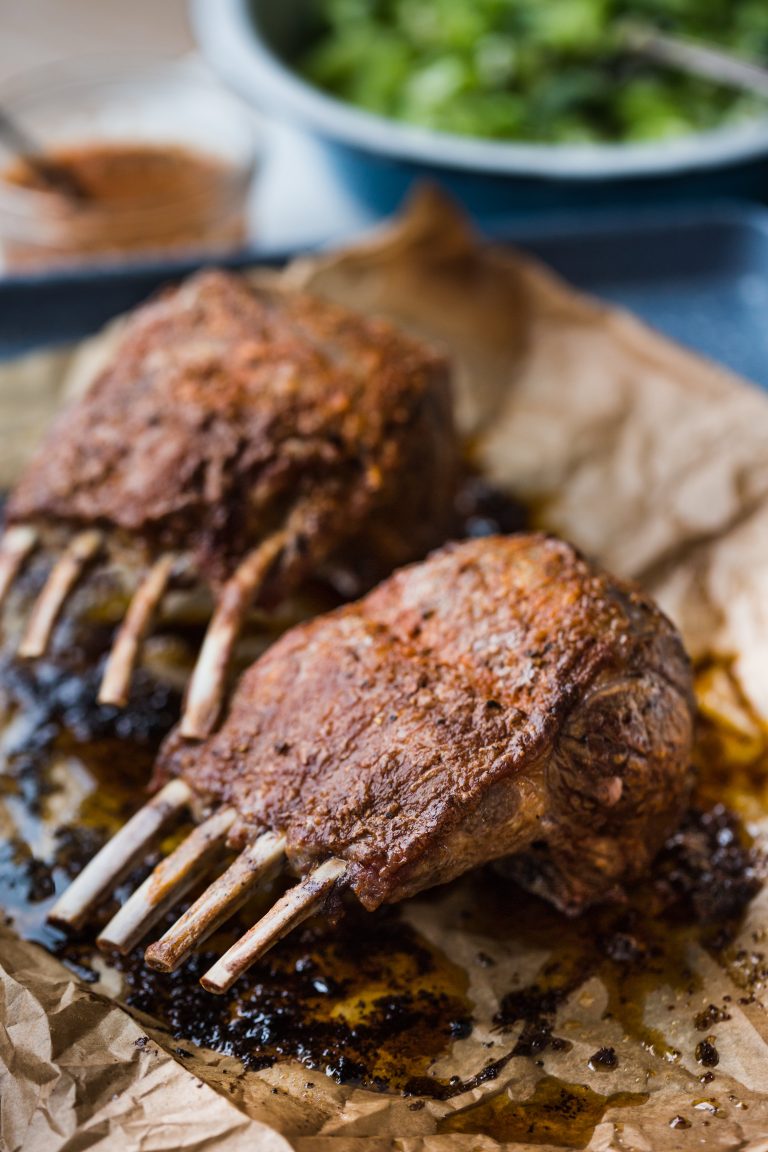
[77,1072]
[652,460]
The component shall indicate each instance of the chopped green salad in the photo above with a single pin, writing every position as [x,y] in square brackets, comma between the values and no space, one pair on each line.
[552,71]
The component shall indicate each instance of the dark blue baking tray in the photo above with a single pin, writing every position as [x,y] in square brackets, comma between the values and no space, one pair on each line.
[700,275]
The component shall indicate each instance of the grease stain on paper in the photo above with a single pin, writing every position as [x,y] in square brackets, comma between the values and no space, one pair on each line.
[557,1113]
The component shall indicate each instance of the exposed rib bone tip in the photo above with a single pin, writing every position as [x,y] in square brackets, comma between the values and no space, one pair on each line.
[295,906]
[116,682]
[206,688]
[220,900]
[167,884]
[126,848]
[61,580]
[15,546]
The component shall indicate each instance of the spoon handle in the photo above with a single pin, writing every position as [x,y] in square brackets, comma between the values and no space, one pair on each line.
[54,175]
[712,63]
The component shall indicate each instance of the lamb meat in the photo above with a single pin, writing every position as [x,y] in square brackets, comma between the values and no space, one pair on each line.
[253,436]
[502,699]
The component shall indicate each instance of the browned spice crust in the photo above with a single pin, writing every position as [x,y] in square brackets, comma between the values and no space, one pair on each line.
[225,408]
[504,697]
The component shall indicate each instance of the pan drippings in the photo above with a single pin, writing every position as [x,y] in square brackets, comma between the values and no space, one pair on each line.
[374,1005]
[371,1004]
[558,1113]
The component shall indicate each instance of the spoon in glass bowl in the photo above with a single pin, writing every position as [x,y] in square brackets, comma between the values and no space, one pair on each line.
[55,176]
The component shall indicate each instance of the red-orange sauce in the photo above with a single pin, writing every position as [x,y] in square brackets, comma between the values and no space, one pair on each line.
[135,196]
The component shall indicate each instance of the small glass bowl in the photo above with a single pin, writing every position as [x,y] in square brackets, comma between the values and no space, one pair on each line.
[198,145]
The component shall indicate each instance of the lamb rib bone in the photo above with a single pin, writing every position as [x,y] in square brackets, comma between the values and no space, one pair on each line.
[62,579]
[219,901]
[119,855]
[116,681]
[296,905]
[167,884]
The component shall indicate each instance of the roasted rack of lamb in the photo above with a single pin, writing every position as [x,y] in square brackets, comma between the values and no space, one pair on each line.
[503,698]
[249,437]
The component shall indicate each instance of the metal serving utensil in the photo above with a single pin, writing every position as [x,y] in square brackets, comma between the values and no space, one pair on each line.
[694,57]
[54,175]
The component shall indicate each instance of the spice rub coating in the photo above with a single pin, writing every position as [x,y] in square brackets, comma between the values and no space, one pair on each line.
[503,697]
[225,409]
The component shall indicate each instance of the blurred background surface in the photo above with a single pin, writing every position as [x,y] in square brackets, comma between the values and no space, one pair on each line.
[35,32]
[695,270]
[326,167]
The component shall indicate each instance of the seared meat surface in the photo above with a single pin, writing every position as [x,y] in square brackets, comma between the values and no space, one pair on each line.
[502,698]
[229,411]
